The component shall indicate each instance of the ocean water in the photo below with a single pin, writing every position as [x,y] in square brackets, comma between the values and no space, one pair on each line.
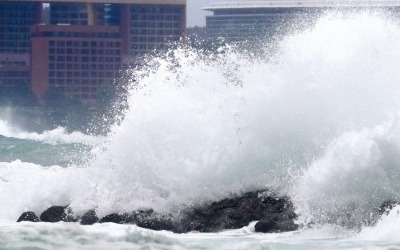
[316,118]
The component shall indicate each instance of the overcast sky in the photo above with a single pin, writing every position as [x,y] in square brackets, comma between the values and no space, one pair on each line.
[197,16]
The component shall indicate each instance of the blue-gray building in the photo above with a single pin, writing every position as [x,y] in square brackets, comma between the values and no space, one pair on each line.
[238,21]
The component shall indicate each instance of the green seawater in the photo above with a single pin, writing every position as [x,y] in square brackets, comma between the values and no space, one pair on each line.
[42,153]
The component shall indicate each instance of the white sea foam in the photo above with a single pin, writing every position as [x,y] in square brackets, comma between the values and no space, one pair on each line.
[356,174]
[30,187]
[386,229]
[74,236]
[351,65]
[55,136]
[202,127]
[318,120]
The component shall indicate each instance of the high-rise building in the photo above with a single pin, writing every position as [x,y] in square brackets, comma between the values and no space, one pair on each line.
[76,60]
[84,44]
[15,21]
[240,21]
[153,26]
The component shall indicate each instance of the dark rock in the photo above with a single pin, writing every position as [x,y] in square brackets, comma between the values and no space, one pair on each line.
[275,214]
[56,214]
[89,218]
[28,216]
[273,224]
[238,212]
[151,220]
[145,218]
[115,218]
[157,223]
[140,215]
[386,206]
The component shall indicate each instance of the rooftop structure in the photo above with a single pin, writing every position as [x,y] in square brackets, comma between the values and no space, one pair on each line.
[239,21]
[300,4]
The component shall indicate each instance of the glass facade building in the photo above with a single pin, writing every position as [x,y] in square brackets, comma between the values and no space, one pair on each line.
[15,20]
[152,27]
[263,19]
[78,61]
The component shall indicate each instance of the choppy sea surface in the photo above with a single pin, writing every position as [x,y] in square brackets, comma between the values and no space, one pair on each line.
[316,118]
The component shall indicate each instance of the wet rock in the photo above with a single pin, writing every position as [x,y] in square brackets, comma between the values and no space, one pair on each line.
[56,214]
[158,224]
[386,206]
[275,224]
[28,216]
[151,220]
[89,218]
[115,218]
[273,213]
[145,218]
[237,212]
[141,215]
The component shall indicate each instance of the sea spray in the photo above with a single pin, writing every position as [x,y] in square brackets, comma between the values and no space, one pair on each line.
[184,138]
[357,173]
[316,120]
[385,230]
[357,170]
[56,136]
[201,127]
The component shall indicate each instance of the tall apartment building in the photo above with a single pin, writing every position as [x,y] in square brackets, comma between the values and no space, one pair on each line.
[82,47]
[77,60]
[15,21]
[239,21]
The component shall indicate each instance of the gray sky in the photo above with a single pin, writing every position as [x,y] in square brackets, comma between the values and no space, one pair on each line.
[197,16]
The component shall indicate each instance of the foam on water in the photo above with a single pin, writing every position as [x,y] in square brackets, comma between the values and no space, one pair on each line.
[102,236]
[386,229]
[323,107]
[317,120]
[356,174]
[30,187]
[358,168]
[55,136]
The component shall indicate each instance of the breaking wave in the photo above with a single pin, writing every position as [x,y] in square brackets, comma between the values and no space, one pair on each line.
[317,119]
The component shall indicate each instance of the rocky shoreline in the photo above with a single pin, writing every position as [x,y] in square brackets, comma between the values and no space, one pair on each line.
[273,213]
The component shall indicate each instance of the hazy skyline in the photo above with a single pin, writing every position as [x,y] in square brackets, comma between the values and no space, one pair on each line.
[196,16]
